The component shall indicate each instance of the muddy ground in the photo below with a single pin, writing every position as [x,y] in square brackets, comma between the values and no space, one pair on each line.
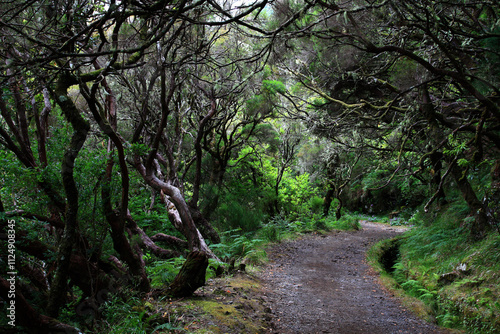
[315,284]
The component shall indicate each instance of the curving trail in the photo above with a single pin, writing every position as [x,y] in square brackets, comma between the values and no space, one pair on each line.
[321,284]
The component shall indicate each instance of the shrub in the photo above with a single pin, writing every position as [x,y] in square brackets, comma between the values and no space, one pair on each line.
[271,232]
[316,204]
[348,222]
[234,215]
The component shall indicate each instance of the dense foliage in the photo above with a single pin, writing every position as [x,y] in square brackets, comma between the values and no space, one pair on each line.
[135,134]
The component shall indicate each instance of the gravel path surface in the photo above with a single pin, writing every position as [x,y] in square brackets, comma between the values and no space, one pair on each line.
[321,284]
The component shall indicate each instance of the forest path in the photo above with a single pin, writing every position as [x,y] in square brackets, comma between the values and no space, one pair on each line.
[322,284]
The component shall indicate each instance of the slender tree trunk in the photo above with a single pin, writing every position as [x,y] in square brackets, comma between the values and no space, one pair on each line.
[480,224]
[149,244]
[80,127]
[338,213]
[126,252]
[199,151]
[216,182]
[279,178]
[173,241]
[179,213]
[436,177]
[41,126]
[116,220]
[90,277]
[206,229]
[427,108]
[23,133]
[328,200]
[120,241]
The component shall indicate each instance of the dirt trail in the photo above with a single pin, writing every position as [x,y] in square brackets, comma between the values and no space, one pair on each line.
[321,284]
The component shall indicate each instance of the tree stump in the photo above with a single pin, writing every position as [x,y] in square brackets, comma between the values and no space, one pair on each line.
[191,276]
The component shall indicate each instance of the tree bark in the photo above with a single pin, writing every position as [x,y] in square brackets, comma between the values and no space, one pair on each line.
[88,276]
[116,220]
[198,150]
[480,225]
[179,213]
[191,275]
[427,108]
[206,229]
[174,241]
[328,200]
[436,158]
[215,181]
[121,243]
[338,213]
[203,225]
[68,240]
[36,276]
[148,243]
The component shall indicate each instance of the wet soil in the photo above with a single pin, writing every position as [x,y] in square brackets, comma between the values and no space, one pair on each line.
[322,284]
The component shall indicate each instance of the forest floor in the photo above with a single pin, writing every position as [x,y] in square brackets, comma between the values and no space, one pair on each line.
[315,284]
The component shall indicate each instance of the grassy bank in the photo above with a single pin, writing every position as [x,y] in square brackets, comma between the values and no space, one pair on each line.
[446,277]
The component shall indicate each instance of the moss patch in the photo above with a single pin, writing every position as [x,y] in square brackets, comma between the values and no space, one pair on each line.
[223,305]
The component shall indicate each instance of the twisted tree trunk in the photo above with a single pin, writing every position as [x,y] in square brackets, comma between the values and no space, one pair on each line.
[29,318]
[80,127]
